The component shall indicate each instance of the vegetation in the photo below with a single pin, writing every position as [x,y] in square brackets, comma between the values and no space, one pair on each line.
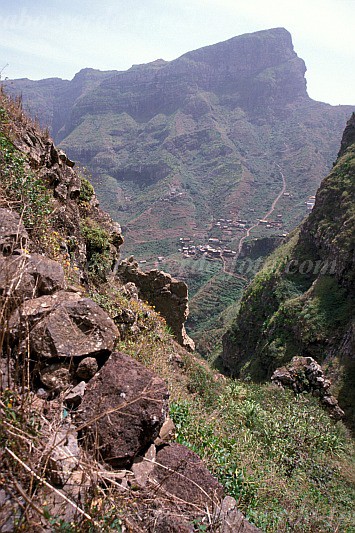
[279,455]
[289,466]
[20,188]
[97,248]
[302,301]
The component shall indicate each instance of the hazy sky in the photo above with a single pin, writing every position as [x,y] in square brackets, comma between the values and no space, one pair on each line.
[52,38]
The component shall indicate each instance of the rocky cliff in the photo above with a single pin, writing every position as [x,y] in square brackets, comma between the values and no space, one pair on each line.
[175,146]
[77,414]
[302,301]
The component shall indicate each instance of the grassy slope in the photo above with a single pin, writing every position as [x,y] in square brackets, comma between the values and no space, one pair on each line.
[287,464]
[283,314]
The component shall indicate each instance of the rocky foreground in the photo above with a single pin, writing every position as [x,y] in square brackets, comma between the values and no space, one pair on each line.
[83,422]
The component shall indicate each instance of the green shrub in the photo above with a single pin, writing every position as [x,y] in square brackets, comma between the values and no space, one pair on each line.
[86,191]
[97,248]
[21,187]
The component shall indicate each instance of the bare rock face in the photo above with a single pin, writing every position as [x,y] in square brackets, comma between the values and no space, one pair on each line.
[232,520]
[123,409]
[13,234]
[180,472]
[28,276]
[168,295]
[64,325]
[304,374]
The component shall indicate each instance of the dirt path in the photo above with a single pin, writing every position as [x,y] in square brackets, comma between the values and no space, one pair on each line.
[268,214]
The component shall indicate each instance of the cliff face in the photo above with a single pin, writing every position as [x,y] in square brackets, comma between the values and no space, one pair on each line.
[84,405]
[175,146]
[302,302]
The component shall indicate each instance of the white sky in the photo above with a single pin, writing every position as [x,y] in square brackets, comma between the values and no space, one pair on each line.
[52,38]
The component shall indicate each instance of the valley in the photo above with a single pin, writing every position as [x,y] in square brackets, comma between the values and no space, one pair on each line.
[193,153]
[224,173]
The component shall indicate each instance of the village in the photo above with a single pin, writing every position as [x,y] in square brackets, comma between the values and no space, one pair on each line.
[227,230]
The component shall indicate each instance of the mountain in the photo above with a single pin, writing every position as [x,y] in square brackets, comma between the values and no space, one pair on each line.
[89,371]
[302,303]
[201,147]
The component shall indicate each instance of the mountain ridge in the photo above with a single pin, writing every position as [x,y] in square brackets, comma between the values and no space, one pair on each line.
[302,302]
[175,146]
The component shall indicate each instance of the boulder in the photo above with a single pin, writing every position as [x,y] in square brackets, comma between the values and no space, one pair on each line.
[13,234]
[180,472]
[123,409]
[56,377]
[87,368]
[28,276]
[304,374]
[64,325]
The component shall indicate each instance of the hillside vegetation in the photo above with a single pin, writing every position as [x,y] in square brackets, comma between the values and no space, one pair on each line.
[302,301]
[175,147]
[288,465]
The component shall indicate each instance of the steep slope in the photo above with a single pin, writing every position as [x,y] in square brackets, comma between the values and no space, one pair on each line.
[63,387]
[200,147]
[302,301]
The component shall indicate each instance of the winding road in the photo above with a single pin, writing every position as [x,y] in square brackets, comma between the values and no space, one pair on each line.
[268,214]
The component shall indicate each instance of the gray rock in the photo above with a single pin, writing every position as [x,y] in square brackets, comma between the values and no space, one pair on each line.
[87,368]
[62,454]
[304,374]
[143,466]
[74,397]
[231,520]
[12,232]
[122,411]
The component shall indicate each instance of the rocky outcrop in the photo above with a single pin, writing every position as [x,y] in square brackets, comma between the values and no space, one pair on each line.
[304,374]
[123,409]
[48,319]
[13,235]
[168,295]
[180,472]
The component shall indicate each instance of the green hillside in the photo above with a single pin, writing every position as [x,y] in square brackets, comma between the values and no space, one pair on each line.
[302,301]
[200,147]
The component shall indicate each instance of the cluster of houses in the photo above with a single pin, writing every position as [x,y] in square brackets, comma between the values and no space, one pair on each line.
[173,195]
[211,251]
[272,223]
